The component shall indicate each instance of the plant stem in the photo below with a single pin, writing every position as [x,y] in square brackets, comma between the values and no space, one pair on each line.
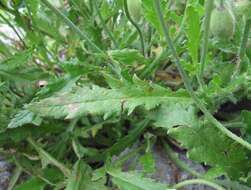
[13,28]
[82,35]
[49,158]
[198,181]
[120,161]
[188,85]
[136,26]
[106,29]
[32,173]
[182,24]
[244,39]
[243,44]
[209,5]
[16,174]
[173,156]
[155,63]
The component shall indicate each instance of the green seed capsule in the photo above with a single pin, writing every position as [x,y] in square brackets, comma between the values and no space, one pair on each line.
[222,23]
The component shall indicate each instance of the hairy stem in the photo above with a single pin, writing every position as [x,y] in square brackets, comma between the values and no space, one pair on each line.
[50,159]
[188,85]
[32,173]
[198,181]
[136,26]
[243,44]
[209,5]
[182,24]
[174,157]
[164,53]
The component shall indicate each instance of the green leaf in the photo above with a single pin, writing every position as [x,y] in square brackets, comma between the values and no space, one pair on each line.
[128,140]
[101,101]
[46,158]
[213,173]
[75,182]
[134,181]
[48,26]
[175,114]
[24,117]
[16,61]
[193,32]
[31,184]
[150,15]
[127,56]
[33,6]
[246,117]
[233,185]
[82,151]
[208,145]
[148,162]
[81,179]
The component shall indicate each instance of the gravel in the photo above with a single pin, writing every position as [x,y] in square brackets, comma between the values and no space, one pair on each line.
[5,174]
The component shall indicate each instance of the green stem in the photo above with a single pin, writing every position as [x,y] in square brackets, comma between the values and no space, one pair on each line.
[120,161]
[209,5]
[244,40]
[106,29]
[31,173]
[188,85]
[50,158]
[149,40]
[243,44]
[182,24]
[82,35]
[155,63]
[136,26]
[16,174]
[198,181]
[174,157]
[13,28]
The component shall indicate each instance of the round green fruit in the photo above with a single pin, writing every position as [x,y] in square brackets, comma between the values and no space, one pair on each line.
[135,9]
[222,23]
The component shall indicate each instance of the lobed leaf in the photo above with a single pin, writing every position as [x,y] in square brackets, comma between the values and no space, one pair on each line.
[134,181]
[208,145]
[102,101]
